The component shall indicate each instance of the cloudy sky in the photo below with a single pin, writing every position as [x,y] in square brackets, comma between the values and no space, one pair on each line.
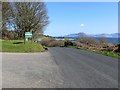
[88,17]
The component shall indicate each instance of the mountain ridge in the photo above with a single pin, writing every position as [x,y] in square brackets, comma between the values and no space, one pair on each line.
[81,34]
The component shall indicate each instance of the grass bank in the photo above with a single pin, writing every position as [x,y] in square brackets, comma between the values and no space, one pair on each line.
[111,54]
[19,46]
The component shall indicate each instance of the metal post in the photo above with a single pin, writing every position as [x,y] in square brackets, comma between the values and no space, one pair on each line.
[24,38]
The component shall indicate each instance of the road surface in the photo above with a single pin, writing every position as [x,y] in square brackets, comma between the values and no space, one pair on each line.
[83,69]
[59,68]
[29,70]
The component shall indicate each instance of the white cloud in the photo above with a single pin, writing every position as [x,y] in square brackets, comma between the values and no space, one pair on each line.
[82,25]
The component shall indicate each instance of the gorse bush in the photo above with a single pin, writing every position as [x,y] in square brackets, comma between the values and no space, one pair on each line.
[51,42]
[68,43]
[47,41]
[56,44]
[88,40]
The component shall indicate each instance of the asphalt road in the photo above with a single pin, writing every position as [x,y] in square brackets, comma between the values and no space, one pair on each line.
[82,69]
[59,68]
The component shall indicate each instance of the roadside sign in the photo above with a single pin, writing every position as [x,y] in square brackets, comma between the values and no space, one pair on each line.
[28,34]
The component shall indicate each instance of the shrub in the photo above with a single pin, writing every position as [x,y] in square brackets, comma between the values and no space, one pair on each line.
[102,40]
[68,43]
[87,40]
[46,41]
[117,48]
[51,42]
[56,44]
[11,36]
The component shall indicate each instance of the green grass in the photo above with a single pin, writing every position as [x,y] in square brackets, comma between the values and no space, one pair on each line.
[73,47]
[41,37]
[19,46]
[111,54]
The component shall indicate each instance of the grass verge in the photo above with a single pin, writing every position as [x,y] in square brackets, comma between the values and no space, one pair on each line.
[111,54]
[19,46]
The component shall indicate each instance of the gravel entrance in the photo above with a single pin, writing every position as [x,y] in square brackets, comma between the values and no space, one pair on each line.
[30,70]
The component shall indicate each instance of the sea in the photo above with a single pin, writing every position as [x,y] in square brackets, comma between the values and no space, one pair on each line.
[109,40]
[113,40]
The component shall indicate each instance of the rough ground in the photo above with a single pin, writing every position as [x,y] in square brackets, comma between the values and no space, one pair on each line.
[31,70]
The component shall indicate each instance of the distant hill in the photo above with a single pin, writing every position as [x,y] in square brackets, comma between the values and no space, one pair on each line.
[81,34]
[75,35]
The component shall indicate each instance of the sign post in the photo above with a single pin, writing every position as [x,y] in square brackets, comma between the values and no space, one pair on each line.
[28,35]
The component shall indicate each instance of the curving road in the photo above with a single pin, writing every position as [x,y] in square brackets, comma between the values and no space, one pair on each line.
[59,68]
[82,69]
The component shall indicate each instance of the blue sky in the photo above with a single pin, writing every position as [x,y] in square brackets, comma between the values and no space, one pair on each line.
[88,17]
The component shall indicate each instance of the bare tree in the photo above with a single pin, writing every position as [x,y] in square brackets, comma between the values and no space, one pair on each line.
[25,17]
[30,16]
[6,15]
[0,19]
